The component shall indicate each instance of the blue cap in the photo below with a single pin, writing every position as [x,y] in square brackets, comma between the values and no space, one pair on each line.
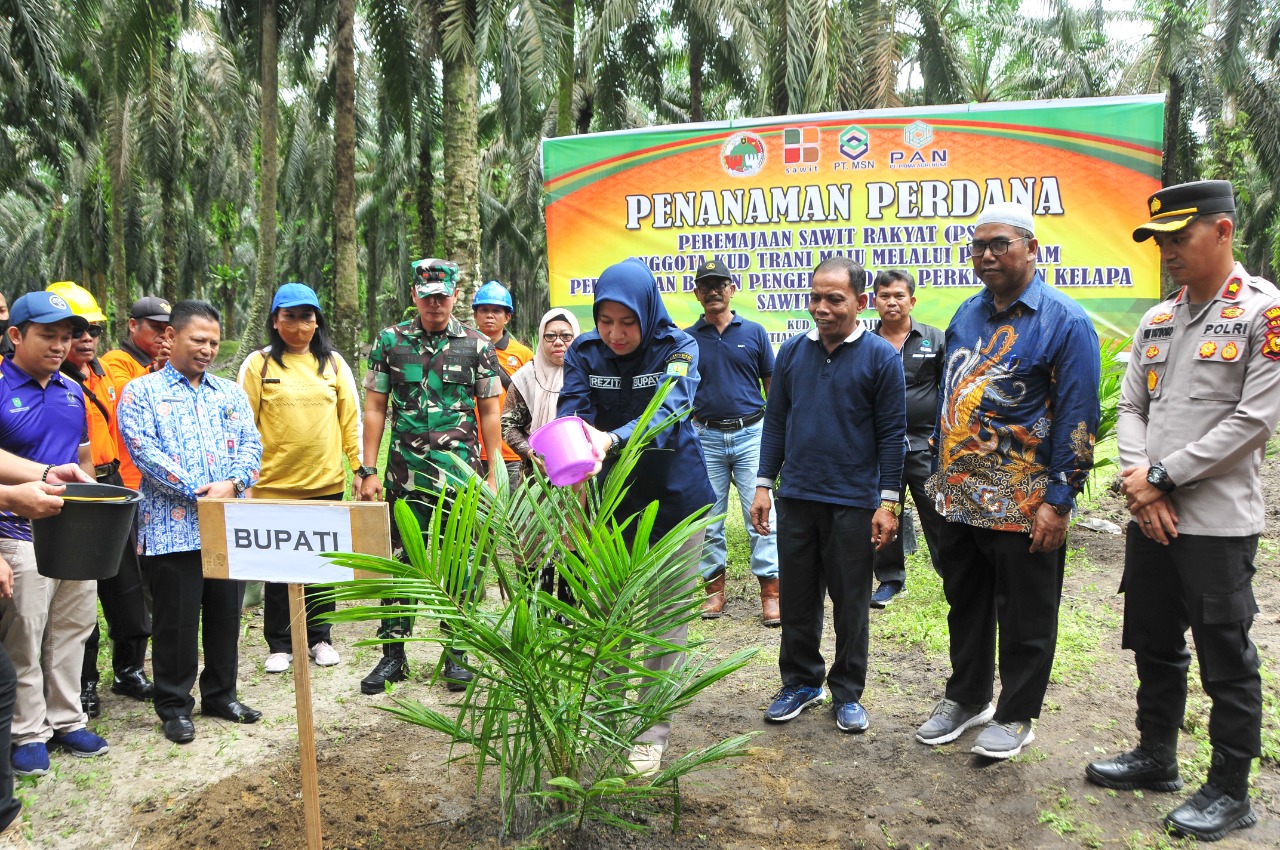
[44,308]
[295,295]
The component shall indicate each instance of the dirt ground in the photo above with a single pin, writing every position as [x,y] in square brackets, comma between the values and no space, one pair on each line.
[384,784]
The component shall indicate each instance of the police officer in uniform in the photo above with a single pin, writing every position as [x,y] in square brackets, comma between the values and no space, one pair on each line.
[434,376]
[1200,398]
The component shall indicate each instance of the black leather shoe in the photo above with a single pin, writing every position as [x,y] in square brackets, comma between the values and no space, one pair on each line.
[133,683]
[455,675]
[180,730]
[390,668]
[89,700]
[1210,814]
[236,712]
[1154,770]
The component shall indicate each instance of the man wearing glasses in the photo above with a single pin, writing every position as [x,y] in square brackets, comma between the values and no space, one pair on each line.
[1014,445]
[128,620]
[46,622]
[735,363]
[438,380]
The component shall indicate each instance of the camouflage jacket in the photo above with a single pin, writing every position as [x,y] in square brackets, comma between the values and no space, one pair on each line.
[433,381]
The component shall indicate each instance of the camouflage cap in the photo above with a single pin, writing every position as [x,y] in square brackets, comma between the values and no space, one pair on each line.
[434,277]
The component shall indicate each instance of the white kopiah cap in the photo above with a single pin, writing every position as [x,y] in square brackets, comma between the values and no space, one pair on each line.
[1007,212]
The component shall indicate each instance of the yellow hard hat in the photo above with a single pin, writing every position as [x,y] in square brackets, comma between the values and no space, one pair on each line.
[79,299]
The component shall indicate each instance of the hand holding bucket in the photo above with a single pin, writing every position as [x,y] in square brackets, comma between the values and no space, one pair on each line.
[566,448]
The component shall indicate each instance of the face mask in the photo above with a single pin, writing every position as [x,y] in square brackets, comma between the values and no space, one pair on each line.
[297,336]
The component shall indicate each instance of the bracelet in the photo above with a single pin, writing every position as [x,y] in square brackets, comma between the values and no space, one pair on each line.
[44,478]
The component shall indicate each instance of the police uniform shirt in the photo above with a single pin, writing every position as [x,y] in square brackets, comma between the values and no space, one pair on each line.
[1201,395]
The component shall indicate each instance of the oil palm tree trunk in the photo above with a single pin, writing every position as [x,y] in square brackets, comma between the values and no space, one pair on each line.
[347,315]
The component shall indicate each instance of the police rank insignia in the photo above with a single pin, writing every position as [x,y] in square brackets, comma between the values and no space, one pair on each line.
[1207,350]
[1232,312]
[1232,292]
[1272,315]
[1230,351]
[1152,351]
[1161,318]
[1152,380]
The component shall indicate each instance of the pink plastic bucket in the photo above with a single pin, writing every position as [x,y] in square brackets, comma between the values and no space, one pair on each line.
[566,450]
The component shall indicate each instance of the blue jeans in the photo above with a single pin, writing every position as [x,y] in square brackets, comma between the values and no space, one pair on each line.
[735,456]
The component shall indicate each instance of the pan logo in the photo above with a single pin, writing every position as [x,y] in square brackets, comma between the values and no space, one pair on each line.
[742,155]
[855,145]
[918,135]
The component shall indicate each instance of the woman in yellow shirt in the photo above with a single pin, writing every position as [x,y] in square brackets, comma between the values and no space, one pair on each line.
[305,405]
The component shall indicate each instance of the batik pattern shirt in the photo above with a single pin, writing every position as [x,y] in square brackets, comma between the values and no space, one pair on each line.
[183,437]
[433,381]
[1019,408]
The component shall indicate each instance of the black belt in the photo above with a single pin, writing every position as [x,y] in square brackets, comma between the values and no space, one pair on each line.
[732,424]
[106,469]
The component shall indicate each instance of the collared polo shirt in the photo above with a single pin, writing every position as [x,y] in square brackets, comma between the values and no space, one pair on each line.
[922,370]
[44,424]
[731,366]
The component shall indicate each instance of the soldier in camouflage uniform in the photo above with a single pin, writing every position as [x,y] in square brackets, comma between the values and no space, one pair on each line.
[436,376]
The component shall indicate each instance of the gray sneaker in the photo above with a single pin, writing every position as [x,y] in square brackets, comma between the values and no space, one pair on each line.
[950,719]
[1004,740]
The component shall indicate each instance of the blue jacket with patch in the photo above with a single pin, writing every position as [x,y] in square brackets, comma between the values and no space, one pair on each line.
[611,392]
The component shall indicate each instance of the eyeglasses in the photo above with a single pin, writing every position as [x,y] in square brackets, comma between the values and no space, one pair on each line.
[712,285]
[93,331]
[999,247]
[565,337]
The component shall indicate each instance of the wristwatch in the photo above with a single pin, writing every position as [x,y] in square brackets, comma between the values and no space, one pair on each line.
[366,471]
[615,444]
[239,485]
[1158,477]
[1060,510]
[894,508]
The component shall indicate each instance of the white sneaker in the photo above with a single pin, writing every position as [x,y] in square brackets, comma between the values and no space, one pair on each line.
[324,655]
[277,662]
[646,759]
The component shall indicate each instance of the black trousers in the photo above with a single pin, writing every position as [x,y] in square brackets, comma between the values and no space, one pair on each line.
[275,616]
[124,606]
[1205,584]
[821,545]
[891,562]
[191,611]
[9,807]
[275,607]
[992,582]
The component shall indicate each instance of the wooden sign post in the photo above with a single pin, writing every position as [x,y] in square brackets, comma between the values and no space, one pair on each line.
[281,540]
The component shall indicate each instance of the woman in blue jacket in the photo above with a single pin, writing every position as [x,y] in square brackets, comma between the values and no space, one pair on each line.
[610,376]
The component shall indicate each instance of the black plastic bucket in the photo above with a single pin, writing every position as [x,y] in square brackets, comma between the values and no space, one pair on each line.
[85,541]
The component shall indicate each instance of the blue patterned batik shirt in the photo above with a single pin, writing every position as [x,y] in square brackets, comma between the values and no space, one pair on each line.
[1019,408]
[183,437]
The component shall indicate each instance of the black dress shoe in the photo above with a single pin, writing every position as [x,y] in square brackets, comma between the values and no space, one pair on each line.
[180,729]
[133,683]
[390,668]
[236,712]
[89,700]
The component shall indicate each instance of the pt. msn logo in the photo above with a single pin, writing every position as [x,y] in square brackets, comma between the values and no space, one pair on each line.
[855,144]
[918,135]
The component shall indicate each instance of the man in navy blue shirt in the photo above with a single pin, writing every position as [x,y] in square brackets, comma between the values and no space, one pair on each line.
[835,429]
[45,624]
[1018,416]
[734,366]
[920,349]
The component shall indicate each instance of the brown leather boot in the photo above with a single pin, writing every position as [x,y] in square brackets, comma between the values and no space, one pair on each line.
[769,602]
[714,606]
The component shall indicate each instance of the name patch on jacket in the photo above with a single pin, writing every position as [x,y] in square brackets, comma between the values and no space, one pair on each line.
[605,382]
